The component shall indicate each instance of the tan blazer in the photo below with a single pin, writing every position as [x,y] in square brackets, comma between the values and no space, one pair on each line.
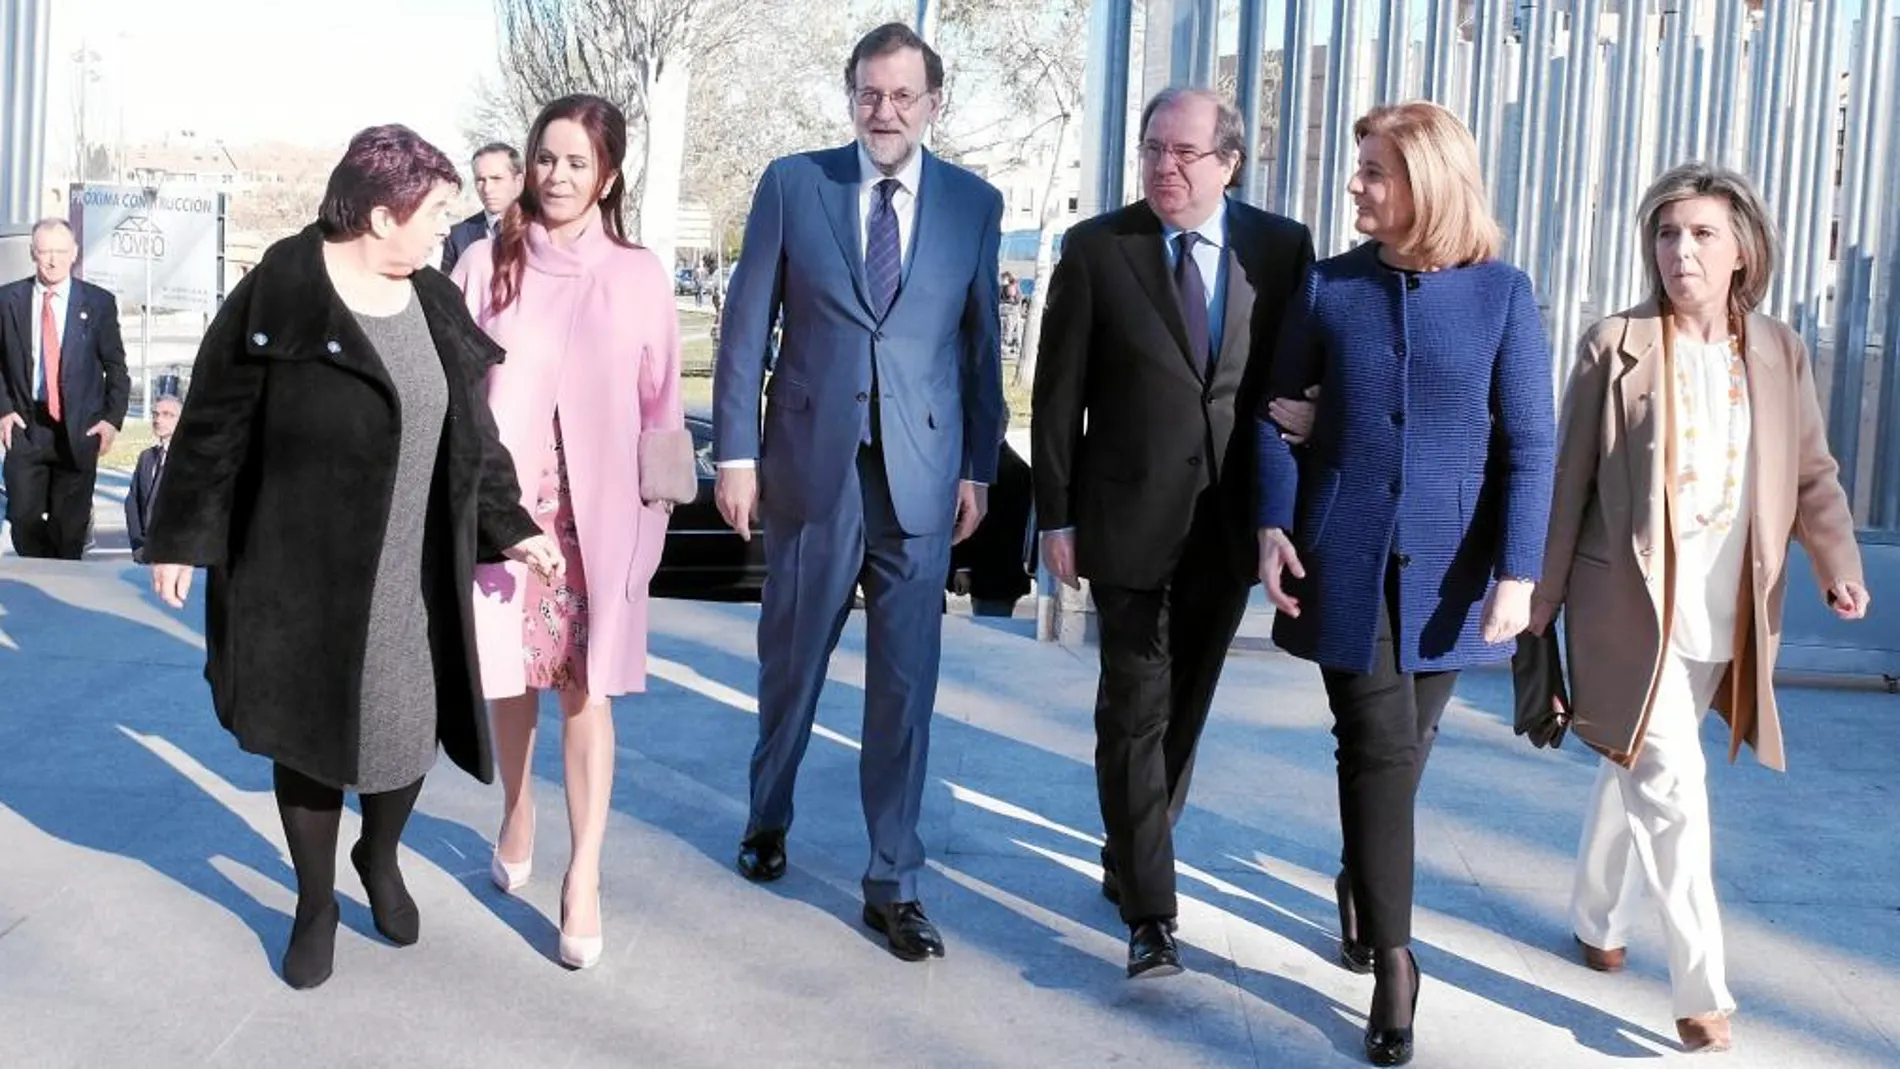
[1609,556]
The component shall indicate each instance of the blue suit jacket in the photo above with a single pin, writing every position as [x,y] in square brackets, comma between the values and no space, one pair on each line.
[1434,440]
[939,365]
[461,236]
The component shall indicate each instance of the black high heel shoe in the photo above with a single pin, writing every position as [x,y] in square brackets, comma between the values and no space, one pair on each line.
[1392,1046]
[1353,954]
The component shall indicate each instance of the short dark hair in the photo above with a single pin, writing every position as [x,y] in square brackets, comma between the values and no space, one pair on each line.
[499,148]
[385,166]
[894,37]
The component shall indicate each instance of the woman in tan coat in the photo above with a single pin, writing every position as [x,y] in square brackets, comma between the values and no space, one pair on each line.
[1691,451]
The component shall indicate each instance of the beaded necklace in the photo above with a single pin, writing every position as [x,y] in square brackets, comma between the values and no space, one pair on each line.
[1722,516]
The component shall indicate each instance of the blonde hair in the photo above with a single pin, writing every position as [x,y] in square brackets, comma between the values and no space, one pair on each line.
[1755,232]
[1452,221]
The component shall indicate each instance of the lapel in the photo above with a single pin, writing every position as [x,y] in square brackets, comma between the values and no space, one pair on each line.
[932,203]
[839,191]
[1237,328]
[18,308]
[1763,367]
[1645,415]
[296,314]
[1141,244]
[78,319]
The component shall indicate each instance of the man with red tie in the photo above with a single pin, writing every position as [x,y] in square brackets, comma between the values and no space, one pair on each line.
[63,392]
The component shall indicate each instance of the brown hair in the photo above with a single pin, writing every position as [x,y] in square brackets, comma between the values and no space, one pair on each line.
[385,167]
[1452,221]
[1754,231]
[607,130]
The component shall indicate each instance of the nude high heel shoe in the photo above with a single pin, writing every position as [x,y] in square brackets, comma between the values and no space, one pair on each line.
[580,951]
[513,877]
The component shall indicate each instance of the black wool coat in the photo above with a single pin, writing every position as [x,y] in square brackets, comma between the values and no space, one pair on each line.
[279,484]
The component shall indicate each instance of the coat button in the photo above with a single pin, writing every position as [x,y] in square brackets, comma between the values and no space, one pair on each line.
[332,348]
[1398,419]
[864,397]
[1194,462]
[1652,447]
[259,338]
[1395,487]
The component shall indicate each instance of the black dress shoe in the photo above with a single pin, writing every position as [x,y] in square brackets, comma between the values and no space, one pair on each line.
[390,906]
[911,935]
[312,949]
[1392,1043]
[1353,954]
[762,856]
[1152,951]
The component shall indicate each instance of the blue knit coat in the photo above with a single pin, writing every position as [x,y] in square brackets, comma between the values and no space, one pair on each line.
[1432,449]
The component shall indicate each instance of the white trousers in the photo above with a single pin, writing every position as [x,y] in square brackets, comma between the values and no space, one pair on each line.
[1650,824]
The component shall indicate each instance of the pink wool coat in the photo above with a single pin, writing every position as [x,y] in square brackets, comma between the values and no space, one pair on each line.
[595,335]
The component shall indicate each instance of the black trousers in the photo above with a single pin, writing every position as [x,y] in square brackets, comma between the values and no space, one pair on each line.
[1162,652]
[49,488]
[1385,721]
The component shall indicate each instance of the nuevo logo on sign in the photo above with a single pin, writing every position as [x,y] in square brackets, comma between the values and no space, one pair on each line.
[138,238]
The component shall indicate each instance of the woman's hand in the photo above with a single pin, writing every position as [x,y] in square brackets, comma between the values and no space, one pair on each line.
[1849,599]
[1294,417]
[1508,611]
[1277,557]
[540,554]
[172,583]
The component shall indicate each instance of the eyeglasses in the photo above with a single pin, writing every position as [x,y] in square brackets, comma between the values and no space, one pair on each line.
[902,99]
[1185,155]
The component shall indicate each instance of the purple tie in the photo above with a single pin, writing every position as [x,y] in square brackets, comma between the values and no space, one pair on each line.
[1187,281]
[883,257]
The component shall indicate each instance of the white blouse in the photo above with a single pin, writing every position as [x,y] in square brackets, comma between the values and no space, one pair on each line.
[1709,392]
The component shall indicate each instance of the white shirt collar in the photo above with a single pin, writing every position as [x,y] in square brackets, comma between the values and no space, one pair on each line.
[63,291]
[492,221]
[908,175]
[1213,230]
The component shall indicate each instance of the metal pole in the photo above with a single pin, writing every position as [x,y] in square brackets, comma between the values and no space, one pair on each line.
[145,337]
[1395,44]
[1296,65]
[1729,27]
[1761,47]
[1568,239]
[1670,83]
[1487,89]
[928,13]
[1783,20]
[1249,60]
[1818,206]
[1867,145]
[1441,40]
[1334,116]
[1613,207]
[1533,103]
[1105,107]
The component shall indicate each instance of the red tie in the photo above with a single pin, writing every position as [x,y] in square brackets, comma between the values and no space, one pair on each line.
[49,347]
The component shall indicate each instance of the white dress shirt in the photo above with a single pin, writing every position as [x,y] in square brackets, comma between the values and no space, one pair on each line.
[1209,253]
[61,294]
[493,222]
[903,202]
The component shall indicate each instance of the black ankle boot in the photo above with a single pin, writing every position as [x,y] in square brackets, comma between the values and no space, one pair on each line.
[312,950]
[1388,1033]
[1353,954]
[390,906]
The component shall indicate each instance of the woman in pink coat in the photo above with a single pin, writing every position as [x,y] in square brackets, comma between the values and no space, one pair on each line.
[588,322]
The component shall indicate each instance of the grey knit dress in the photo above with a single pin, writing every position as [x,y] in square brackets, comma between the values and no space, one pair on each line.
[398,711]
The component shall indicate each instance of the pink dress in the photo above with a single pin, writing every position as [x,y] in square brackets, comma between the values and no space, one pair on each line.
[593,362]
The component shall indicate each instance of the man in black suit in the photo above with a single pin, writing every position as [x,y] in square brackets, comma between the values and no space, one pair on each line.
[149,470]
[63,392]
[497,168]
[1161,321]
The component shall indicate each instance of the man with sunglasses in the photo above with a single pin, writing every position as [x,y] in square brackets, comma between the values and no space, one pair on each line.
[1161,321]
[882,422]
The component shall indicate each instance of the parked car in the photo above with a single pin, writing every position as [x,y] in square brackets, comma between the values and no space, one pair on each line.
[682,282]
[703,557]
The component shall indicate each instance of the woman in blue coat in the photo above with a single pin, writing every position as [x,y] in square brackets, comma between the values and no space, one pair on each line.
[1401,543]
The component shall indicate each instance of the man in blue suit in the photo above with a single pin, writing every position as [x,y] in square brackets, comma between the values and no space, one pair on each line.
[882,424]
[63,394]
[497,170]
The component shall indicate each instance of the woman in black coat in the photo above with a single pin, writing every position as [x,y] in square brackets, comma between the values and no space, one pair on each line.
[338,475]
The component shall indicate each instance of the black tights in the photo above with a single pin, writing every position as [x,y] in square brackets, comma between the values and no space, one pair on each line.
[311,812]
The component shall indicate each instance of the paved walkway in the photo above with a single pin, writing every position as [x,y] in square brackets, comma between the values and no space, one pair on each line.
[145,894]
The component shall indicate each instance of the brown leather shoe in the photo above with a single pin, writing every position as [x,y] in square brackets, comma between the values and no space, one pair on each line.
[1602,960]
[1703,1032]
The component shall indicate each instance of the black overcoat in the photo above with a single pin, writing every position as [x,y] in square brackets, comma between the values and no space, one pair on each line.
[279,484]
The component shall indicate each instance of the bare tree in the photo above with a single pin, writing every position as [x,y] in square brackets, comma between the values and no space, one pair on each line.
[1032,54]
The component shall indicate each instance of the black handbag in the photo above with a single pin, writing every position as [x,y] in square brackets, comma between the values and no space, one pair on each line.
[1537,678]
